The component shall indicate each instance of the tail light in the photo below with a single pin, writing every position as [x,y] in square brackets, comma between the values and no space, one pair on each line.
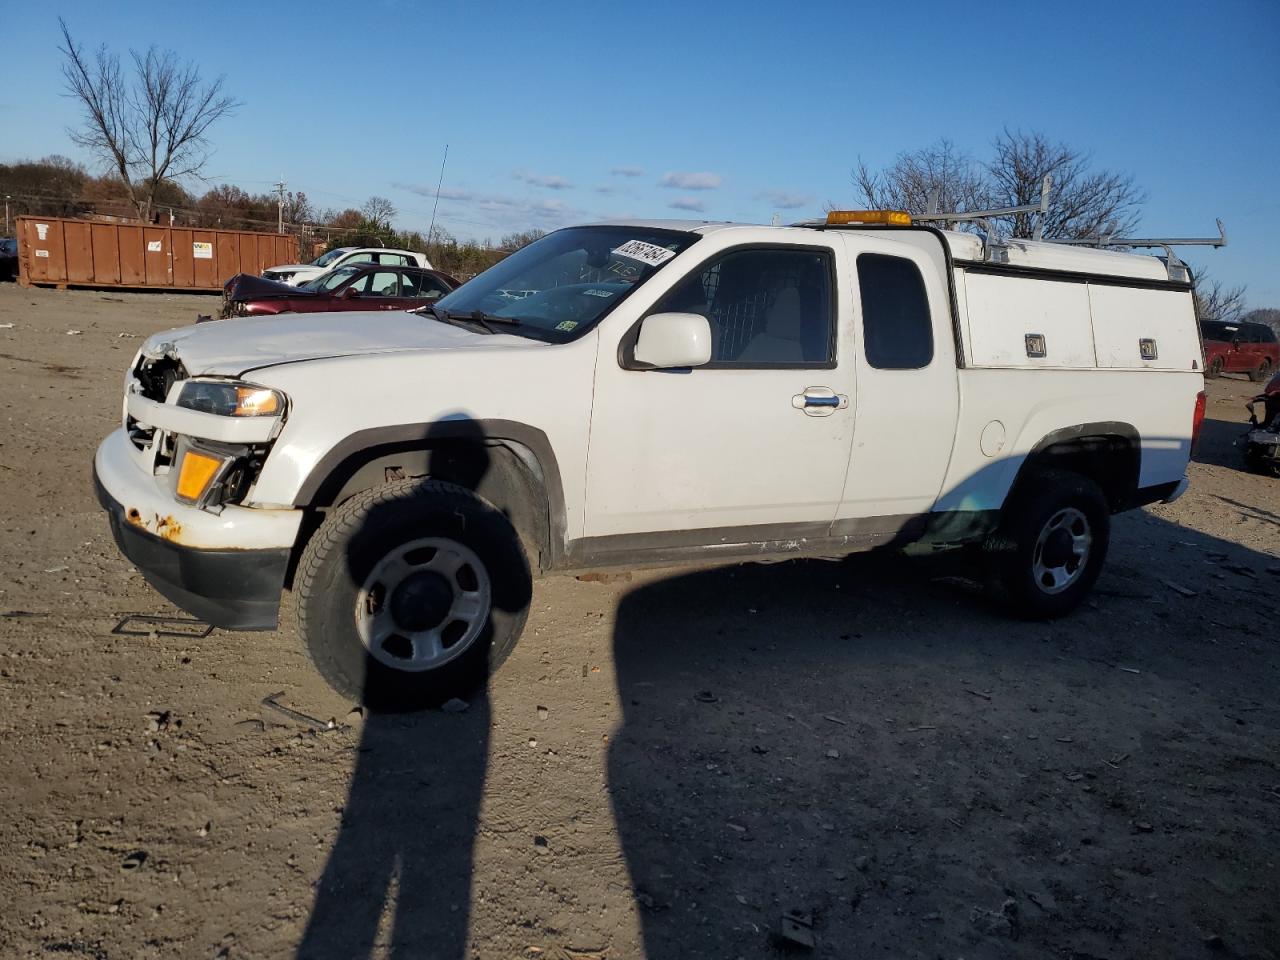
[1197,419]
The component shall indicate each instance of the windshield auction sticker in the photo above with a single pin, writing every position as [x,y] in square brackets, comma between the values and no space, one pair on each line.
[649,253]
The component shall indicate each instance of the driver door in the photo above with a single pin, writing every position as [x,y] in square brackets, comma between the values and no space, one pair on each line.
[730,452]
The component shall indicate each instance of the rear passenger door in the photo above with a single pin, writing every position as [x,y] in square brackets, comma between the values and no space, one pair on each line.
[383,292]
[907,401]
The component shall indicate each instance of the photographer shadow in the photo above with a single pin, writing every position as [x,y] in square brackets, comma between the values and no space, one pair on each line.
[398,880]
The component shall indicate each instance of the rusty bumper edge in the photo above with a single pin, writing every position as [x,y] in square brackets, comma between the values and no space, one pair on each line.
[231,589]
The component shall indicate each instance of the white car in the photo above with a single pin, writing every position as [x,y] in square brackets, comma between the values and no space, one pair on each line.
[297,273]
[665,392]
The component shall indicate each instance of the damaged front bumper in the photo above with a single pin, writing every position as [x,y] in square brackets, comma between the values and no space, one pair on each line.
[227,569]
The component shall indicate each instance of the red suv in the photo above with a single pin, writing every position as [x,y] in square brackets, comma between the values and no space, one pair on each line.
[1239,348]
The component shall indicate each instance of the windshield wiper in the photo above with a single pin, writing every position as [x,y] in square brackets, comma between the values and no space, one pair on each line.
[484,319]
[478,317]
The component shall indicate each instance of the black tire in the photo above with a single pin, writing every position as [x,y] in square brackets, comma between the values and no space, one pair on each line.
[1260,372]
[1214,370]
[361,536]
[1041,500]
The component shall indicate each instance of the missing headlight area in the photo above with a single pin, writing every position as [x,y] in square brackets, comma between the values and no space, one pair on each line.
[158,375]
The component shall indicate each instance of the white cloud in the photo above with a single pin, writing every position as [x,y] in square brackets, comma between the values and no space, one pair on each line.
[499,211]
[627,171]
[688,203]
[550,181]
[677,180]
[785,199]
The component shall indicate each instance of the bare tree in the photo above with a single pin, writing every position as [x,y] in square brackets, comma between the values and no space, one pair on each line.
[1216,302]
[297,208]
[1268,315]
[379,211]
[522,238]
[1082,203]
[149,126]
[916,177]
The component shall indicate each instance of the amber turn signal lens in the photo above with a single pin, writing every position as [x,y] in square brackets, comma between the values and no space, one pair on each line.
[195,474]
[256,402]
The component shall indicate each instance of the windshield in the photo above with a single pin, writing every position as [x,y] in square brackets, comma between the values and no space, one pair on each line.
[562,285]
[330,280]
[327,258]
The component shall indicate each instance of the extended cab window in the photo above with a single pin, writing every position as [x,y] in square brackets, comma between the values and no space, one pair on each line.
[897,331]
[766,307]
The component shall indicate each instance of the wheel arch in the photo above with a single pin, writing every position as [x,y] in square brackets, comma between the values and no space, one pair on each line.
[510,464]
[1109,453]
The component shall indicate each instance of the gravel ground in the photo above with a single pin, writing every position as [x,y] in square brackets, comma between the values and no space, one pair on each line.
[667,765]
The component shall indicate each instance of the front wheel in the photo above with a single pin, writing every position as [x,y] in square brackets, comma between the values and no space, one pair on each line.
[1259,373]
[1051,543]
[412,593]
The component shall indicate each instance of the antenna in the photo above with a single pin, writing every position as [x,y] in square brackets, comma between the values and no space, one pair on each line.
[431,229]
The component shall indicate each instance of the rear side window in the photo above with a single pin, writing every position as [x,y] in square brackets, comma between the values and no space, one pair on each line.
[897,331]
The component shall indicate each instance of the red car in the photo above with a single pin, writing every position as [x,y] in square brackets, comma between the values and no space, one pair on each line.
[1239,348]
[363,286]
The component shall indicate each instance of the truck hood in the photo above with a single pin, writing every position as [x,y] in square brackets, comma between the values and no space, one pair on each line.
[234,347]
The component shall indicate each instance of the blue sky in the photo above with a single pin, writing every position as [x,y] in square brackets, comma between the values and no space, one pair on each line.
[562,112]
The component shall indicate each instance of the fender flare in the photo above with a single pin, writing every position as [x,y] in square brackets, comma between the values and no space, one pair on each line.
[528,443]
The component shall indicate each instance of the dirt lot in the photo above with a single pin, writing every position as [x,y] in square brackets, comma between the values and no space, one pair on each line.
[664,767]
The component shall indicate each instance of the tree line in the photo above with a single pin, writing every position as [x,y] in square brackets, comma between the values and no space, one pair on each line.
[56,186]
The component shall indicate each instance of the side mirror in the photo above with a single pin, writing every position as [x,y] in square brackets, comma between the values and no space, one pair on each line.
[349,293]
[670,340]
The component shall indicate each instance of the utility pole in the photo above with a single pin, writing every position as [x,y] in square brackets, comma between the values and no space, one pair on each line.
[280,205]
[6,213]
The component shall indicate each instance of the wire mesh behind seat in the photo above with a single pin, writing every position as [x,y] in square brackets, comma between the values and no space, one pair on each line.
[740,314]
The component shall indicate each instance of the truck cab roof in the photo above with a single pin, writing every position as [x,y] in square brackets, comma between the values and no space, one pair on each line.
[967,247]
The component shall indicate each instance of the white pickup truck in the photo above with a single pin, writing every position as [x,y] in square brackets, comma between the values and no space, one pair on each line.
[669,392]
[295,274]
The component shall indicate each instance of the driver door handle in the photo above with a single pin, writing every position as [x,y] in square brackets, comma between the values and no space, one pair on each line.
[819,401]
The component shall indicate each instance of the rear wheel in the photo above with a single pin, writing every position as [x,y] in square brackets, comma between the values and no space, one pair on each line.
[412,593]
[1260,371]
[1215,368]
[1051,544]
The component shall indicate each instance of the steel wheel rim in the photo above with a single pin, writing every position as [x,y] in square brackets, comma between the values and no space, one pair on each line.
[1062,551]
[423,604]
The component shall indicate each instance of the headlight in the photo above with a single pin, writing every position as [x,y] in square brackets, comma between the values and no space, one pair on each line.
[230,399]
